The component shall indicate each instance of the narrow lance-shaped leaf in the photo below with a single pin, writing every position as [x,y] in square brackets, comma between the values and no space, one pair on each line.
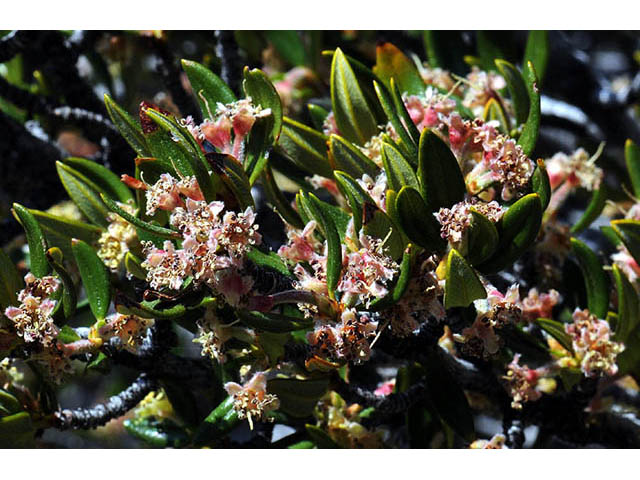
[391,62]
[556,330]
[35,240]
[595,279]
[69,295]
[107,181]
[273,322]
[95,278]
[628,306]
[529,135]
[208,88]
[593,210]
[305,147]
[493,110]
[517,89]
[537,51]
[347,157]
[84,193]
[334,248]
[406,141]
[352,113]
[398,169]
[628,231]
[441,181]
[401,109]
[277,199]
[148,227]
[318,115]
[632,159]
[128,127]
[540,183]
[262,92]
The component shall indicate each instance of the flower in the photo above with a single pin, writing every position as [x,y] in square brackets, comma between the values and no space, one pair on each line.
[577,169]
[592,345]
[330,126]
[251,400]
[130,329]
[455,221]
[113,243]
[626,263]
[497,442]
[539,305]
[482,87]
[367,271]
[377,189]
[426,111]
[212,335]
[236,234]
[302,245]
[166,267]
[526,384]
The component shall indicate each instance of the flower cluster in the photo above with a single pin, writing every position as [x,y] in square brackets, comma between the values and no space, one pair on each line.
[348,340]
[213,247]
[526,384]
[237,117]
[212,335]
[251,400]
[130,329]
[592,345]
[455,221]
[115,241]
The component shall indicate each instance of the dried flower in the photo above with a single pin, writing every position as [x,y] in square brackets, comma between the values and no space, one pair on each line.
[537,305]
[251,400]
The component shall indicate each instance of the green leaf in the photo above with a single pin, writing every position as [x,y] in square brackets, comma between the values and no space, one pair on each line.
[218,423]
[273,322]
[277,199]
[95,278]
[401,284]
[348,158]
[289,46]
[398,169]
[406,141]
[377,224]
[355,195]
[518,229]
[482,237]
[593,210]
[305,147]
[629,232]
[107,181]
[208,88]
[35,240]
[441,181]
[69,295]
[493,110]
[595,279]
[262,92]
[402,112]
[84,193]
[556,330]
[445,49]
[537,51]
[17,431]
[147,227]
[628,306]
[127,126]
[320,438]
[10,281]
[235,179]
[133,265]
[417,221]
[147,309]
[161,433]
[9,403]
[334,247]
[632,159]
[448,397]
[67,335]
[490,46]
[57,227]
[353,116]
[540,183]
[298,397]
[391,62]
[517,89]
[191,162]
[271,261]
[318,115]
[529,136]
[462,285]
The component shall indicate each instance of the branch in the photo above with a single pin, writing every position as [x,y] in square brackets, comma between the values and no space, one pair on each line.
[116,406]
